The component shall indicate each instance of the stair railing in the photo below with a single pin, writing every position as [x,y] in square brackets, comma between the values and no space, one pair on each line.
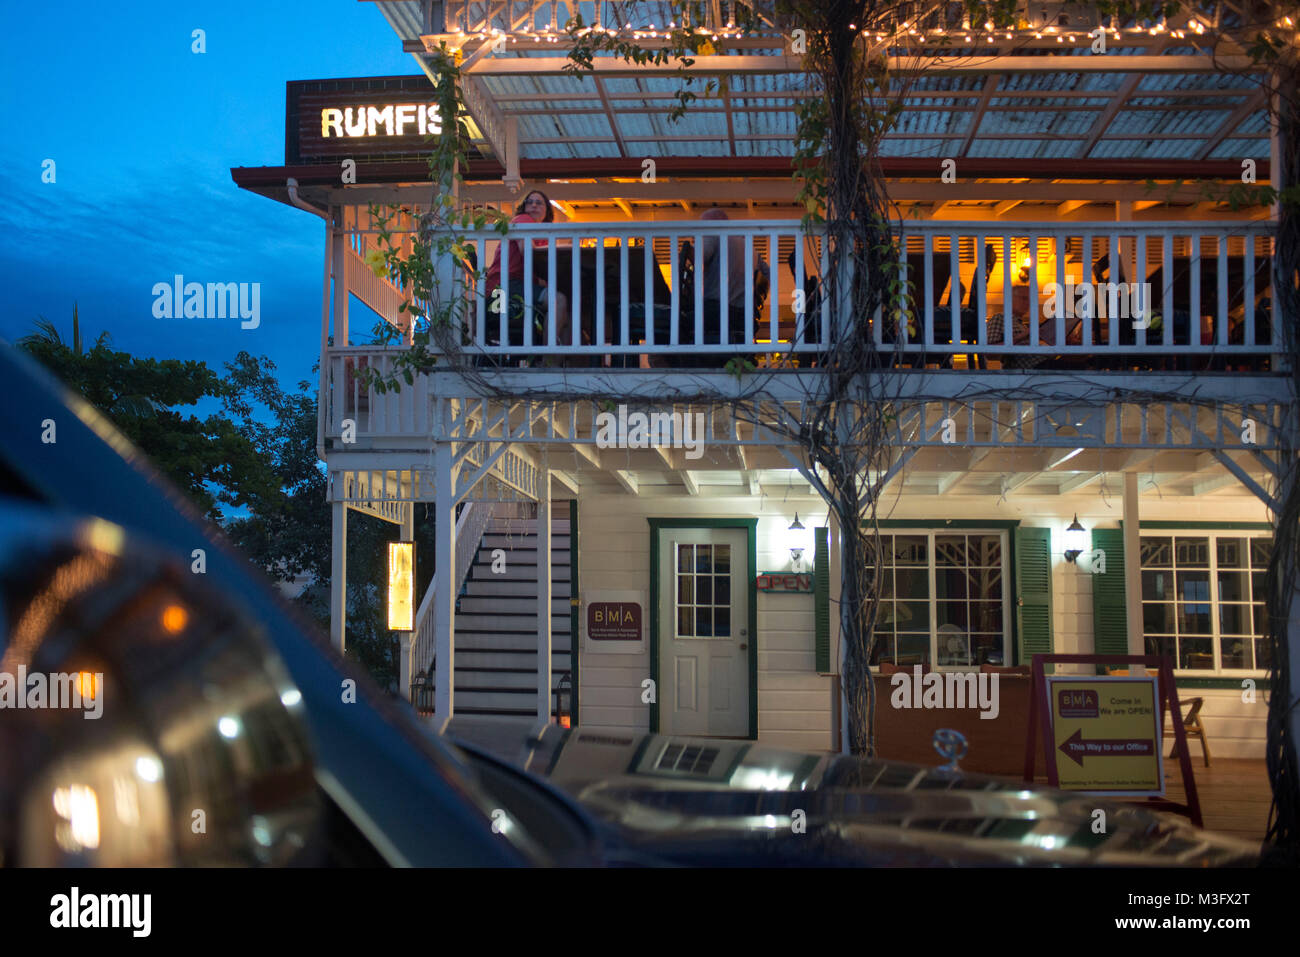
[470,525]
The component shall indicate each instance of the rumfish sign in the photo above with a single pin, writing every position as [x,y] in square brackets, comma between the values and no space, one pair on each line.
[362,117]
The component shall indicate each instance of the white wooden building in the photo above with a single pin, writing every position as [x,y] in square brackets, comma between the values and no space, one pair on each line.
[1160,440]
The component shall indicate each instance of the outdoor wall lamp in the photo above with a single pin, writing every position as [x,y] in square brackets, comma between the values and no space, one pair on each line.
[401,586]
[1075,540]
[796,535]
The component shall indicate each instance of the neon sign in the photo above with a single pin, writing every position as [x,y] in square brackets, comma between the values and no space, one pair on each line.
[395,119]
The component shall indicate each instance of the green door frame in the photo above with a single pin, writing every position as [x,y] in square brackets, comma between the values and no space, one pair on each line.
[750,525]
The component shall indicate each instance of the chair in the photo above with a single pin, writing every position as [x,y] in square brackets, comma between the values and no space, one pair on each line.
[1194,729]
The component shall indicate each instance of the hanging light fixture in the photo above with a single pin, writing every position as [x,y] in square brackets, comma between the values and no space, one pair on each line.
[796,535]
[1075,540]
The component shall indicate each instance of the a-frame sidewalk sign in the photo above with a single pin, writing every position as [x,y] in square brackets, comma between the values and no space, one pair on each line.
[1040,712]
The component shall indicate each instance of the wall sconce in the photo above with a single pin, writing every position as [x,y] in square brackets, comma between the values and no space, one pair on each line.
[1075,540]
[796,535]
[401,586]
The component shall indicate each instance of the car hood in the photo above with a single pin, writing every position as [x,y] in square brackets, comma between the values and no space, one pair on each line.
[721,801]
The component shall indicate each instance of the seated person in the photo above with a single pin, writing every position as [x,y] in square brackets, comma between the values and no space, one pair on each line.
[711,276]
[535,208]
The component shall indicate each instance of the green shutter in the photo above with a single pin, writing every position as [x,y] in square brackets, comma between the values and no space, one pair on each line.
[822,599]
[1109,609]
[1034,591]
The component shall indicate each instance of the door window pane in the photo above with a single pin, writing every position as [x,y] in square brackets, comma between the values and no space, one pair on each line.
[685,558]
[722,558]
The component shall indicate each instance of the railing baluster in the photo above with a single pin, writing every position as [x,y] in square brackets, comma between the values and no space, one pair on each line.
[954,296]
[1248,266]
[724,289]
[1113,276]
[1167,292]
[928,290]
[1085,275]
[749,287]
[1008,317]
[978,293]
[675,272]
[1221,312]
[1059,246]
[575,289]
[1194,317]
[623,305]
[774,289]
[551,314]
[1140,277]
[699,293]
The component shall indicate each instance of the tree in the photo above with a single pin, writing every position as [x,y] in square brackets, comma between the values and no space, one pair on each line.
[208,459]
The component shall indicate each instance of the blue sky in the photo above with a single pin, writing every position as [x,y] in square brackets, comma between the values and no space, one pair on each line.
[143,133]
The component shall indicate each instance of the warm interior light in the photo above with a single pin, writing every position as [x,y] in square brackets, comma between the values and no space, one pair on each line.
[174,619]
[401,586]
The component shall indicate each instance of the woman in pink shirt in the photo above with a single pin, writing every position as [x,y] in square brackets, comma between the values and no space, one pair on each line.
[535,208]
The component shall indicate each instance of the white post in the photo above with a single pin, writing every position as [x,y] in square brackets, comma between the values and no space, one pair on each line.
[406,638]
[1133,571]
[339,572]
[444,596]
[340,252]
[544,598]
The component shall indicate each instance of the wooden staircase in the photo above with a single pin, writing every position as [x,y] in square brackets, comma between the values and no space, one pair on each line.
[496,620]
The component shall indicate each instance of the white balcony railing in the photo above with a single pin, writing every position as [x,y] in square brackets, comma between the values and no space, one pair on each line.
[712,290]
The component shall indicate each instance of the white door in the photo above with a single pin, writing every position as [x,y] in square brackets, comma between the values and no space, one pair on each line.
[704,631]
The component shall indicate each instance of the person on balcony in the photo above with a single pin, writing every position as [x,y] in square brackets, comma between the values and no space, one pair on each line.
[737,282]
[535,208]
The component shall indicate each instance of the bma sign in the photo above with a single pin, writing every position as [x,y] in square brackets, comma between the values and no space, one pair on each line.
[614,621]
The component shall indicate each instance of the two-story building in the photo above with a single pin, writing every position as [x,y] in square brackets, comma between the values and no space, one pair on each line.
[678,572]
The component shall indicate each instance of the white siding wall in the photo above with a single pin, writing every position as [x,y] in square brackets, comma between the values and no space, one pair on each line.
[1235,728]
[794,702]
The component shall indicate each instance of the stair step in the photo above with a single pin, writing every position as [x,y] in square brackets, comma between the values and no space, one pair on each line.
[504,659]
[499,586]
[512,604]
[503,540]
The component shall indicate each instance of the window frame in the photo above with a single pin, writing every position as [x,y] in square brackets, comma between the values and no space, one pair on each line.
[1005,565]
[1173,532]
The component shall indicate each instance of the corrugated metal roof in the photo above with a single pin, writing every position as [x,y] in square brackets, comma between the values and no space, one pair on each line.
[763,105]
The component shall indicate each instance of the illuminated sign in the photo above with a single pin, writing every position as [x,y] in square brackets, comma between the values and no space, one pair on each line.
[364,119]
[401,586]
[395,119]
[785,581]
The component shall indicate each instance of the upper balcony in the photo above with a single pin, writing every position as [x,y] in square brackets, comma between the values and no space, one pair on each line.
[1189,296]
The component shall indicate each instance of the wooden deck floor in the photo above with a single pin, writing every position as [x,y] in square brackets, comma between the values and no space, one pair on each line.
[1234,793]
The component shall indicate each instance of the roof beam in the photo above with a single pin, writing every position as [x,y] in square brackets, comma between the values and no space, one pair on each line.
[1069,206]
[611,117]
[564,478]
[625,479]
[899,66]
[1077,482]
[1102,123]
[1006,206]
[751,480]
[690,481]
[1234,120]
[623,205]
[986,94]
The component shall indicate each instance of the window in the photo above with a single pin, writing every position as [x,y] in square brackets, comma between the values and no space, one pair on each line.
[1203,599]
[703,591]
[942,600]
